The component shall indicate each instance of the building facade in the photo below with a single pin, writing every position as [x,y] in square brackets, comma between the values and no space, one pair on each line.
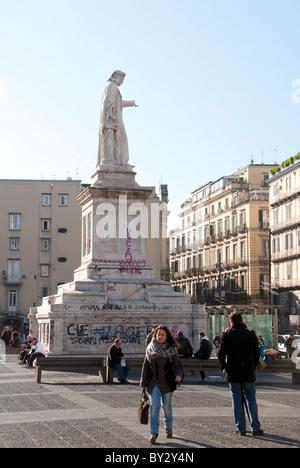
[220,254]
[285,241]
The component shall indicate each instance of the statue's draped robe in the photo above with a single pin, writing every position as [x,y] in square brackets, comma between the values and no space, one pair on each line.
[113,143]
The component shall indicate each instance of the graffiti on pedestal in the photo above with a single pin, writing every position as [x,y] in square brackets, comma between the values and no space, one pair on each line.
[129,265]
[98,334]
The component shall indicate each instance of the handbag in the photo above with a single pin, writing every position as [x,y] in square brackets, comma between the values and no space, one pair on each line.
[143,409]
[261,365]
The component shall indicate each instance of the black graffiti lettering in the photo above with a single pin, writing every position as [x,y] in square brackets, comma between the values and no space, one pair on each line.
[77,330]
[105,334]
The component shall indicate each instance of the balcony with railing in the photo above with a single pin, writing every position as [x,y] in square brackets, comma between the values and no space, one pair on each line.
[285,223]
[286,254]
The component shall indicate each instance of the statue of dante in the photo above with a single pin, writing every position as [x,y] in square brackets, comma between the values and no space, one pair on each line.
[113,143]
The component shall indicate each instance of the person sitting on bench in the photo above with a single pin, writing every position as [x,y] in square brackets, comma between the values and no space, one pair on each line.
[39,350]
[116,360]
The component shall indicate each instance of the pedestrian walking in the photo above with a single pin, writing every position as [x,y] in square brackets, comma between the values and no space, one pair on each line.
[217,343]
[160,374]
[117,361]
[262,346]
[203,353]
[289,345]
[238,357]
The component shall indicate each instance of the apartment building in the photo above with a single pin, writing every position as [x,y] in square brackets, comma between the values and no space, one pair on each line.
[220,254]
[285,241]
[40,238]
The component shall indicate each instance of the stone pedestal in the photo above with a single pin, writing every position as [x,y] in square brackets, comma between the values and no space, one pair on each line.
[114,293]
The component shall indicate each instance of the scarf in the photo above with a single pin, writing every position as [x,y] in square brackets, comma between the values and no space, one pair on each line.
[155,350]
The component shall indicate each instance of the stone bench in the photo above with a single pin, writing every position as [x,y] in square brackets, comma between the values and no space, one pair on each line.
[69,363]
[187,364]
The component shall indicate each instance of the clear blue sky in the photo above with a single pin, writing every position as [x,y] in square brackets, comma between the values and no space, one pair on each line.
[213,80]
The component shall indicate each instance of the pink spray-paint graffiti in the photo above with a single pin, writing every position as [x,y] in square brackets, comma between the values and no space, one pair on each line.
[129,265]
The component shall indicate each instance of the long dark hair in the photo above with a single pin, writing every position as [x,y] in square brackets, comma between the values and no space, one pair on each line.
[170,338]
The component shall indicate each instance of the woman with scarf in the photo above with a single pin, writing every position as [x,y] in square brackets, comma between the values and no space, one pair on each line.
[160,374]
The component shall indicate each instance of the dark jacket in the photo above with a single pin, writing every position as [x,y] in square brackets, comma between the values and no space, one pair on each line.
[184,346]
[205,349]
[239,354]
[114,355]
[5,337]
[162,370]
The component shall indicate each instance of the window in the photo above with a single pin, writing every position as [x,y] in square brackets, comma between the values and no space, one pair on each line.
[44,291]
[243,250]
[220,228]
[276,273]
[243,218]
[45,270]
[234,223]
[14,243]
[189,239]
[263,216]
[288,241]
[276,244]
[62,230]
[12,300]
[275,216]
[265,180]
[45,245]
[13,271]
[288,211]
[63,200]
[62,259]
[46,199]
[45,224]
[14,222]
[234,250]
[265,248]
[289,271]
[227,254]
[226,226]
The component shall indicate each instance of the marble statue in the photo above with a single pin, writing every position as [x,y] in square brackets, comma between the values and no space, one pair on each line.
[113,143]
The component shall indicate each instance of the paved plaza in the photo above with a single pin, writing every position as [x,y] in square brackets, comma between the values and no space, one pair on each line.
[73,410]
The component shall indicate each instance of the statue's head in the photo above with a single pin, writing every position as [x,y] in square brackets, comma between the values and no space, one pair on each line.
[117,76]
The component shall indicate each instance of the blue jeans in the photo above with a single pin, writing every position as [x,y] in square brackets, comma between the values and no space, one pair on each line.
[249,392]
[158,399]
[122,371]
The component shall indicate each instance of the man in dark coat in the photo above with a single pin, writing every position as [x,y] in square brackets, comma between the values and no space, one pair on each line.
[184,345]
[5,336]
[238,357]
[203,353]
[116,360]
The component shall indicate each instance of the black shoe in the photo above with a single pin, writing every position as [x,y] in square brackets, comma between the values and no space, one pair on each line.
[169,433]
[258,433]
[153,438]
[240,433]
